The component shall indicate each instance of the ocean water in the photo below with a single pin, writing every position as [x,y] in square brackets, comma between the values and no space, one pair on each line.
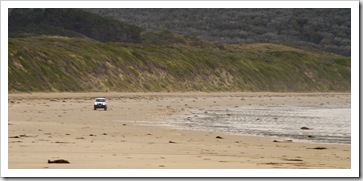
[327,124]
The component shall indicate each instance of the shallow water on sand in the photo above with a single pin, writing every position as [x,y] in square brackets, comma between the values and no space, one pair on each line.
[326,124]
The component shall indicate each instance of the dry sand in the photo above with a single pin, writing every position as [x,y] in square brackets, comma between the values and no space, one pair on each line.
[51,126]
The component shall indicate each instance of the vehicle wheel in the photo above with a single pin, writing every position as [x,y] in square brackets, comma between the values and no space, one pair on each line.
[94,108]
[105,108]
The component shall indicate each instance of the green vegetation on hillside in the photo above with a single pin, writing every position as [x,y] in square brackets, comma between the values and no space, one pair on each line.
[71,23]
[176,63]
[75,50]
[327,29]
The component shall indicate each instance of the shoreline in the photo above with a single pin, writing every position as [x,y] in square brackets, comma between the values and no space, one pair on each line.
[185,94]
[64,126]
[256,122]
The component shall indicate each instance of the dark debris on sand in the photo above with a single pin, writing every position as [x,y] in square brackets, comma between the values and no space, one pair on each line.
[60,161]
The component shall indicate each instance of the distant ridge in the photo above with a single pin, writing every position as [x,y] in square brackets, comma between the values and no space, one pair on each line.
[71,23]
[326,29]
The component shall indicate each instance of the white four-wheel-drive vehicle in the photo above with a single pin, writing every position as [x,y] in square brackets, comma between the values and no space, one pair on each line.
[100,102]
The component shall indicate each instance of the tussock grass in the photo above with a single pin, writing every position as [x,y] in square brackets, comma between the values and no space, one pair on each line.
[176,64]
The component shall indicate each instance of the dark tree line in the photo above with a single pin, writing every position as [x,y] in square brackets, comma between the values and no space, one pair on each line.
[324,28]
[70,22]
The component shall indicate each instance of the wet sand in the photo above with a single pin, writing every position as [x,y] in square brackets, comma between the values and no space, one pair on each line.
[51,126]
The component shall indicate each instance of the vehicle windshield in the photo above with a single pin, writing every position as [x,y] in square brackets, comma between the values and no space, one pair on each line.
[100,100]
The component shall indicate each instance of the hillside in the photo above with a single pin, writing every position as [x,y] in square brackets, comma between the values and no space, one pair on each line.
[170,62]
[70,23]
[327,29]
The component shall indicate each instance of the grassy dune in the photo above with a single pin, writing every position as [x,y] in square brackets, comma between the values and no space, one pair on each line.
[170,63]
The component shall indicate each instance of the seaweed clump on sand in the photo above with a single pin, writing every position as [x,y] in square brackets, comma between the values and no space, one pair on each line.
[60,161]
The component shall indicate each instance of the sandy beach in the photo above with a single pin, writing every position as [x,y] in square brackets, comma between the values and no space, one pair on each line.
[51,126]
